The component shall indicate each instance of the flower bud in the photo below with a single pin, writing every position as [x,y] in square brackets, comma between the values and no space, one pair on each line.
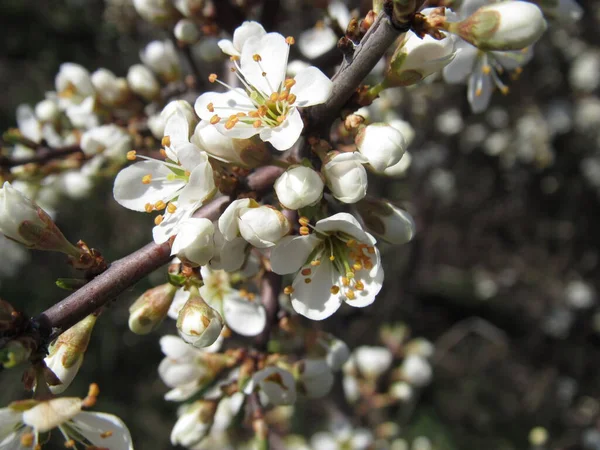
[149,310]
[158,12]
[417,58]
[372,362]
[65,355]
[186,31]
[298,187]
[263,227]
[142,82]
[401,390]
[346,177]
[416,370]
[194,422]
[73,80]
[194,243]
[386,221]
[109,140]
[382,144]
[503,26]
[111,90]
[249,153]
[23,221]
[161,57]
[277,384]
[183,107]
[47,111]
[198,323]
[315,378]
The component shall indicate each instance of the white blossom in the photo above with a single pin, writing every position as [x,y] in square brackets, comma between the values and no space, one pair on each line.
[268,106]
[416,370]
[372,362]
[109,140]
[337,263]
[298,187]
[46,111]
[241,34]
[110,90]
[25,421]
[194,241]
[143,82]
[73,84]
[155,11]
[382,144]
[276,384]
[161,57]
[346,176]
[315,377]
[194,422]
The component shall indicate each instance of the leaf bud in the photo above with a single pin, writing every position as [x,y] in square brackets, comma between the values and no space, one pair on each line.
[149,310]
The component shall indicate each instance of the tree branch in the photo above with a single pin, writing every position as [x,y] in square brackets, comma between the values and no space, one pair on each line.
[121,275]
[377,40]
[43,154]
[270,288]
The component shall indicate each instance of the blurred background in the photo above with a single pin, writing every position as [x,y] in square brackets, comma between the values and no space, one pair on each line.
[502,275]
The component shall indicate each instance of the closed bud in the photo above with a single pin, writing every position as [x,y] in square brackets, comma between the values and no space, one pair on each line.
[416,370]
[73,81]
[346,176]
[382,144]
[47,111]
[149,310]
[503,26]
[161,57]
[23,221]
[263,227]
[199,324]
[194,242]
[157,12]
[194,422]
[111,90]
[186,31]
[142,81]
[298,187]
[315,378]
[16,352]
[386,221]
[416,58]
[372,362]
[65,355]
[183,108]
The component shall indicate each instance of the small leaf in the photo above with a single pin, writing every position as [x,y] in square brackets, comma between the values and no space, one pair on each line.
[70,284]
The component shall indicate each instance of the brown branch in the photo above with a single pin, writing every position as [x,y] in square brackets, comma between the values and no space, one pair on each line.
[381,35]
[121,275]
[270,288]
[43,154]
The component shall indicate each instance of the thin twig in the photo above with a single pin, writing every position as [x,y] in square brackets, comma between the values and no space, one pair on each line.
[121,275]
[43,155]
[269,294]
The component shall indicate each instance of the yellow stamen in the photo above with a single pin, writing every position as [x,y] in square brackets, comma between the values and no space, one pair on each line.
[256,57]
[171,208]
[304,221]
[234,58]
[280,119]
[504,90]
[215,119]
[291,99]
[306,272]
[274,96]
[210,107]
[334,289]
[27,439]
[70,443]
[307,280]
[212,77]
[332,258]
[131,155]
[146,179]
[256,124]
[315,263]
[149,207]
[160,205]
[288,83]
[283,96]
[288,290]
[106,434]
[290,40]
[359,286]
[357,266]
[478,92]
[163,153]
[158,220]
[486,69]
[166,141]
[350,294]
[345,281]
[304,231]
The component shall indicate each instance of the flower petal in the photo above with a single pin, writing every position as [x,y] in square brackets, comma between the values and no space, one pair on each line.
[345,223]
[200,186]
[312,87]
[480,89]
[314,299]
[285,135]
[130,192]
[462,64]
[244,32]
[244,317]
[292,252]
[225,104]
[273,52]
[92,425]
[227,47]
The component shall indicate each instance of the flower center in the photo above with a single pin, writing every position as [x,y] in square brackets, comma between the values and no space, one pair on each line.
[269,109]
